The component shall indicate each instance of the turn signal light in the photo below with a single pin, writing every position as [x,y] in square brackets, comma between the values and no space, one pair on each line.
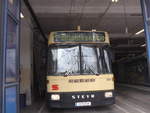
[108,94]
[55,87]
[55,97]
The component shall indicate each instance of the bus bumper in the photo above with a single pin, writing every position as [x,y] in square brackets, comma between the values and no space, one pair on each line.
[81,99]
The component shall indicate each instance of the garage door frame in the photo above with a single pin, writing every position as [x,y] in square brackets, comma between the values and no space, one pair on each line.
[9,59]
[145,5]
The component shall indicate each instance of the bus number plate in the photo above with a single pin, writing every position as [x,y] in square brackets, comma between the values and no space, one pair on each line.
[83,104]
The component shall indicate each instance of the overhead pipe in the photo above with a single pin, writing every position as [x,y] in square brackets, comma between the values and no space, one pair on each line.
[35,19]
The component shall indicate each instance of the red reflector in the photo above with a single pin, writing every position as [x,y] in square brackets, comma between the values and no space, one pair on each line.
[55,87]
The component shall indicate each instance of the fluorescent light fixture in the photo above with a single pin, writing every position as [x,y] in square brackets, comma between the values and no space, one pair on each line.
[126,30]
[139,32]
[93,30]
[115,1]
[21,15]
[143,45]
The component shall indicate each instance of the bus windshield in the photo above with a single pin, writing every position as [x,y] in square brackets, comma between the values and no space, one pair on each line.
[79,59]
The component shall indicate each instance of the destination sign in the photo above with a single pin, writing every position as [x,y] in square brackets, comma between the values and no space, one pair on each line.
[79,37]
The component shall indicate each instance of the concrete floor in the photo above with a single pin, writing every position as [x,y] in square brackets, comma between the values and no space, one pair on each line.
[128,100]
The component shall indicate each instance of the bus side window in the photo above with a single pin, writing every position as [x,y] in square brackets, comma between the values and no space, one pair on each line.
[107,60]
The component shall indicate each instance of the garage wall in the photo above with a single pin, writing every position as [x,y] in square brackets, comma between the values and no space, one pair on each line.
[133,70]
[26,56]
[40,65]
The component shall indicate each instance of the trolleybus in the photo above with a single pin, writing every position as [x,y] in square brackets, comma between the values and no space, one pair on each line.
[79,69]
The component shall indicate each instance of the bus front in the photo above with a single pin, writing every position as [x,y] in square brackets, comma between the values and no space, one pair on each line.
[79,70]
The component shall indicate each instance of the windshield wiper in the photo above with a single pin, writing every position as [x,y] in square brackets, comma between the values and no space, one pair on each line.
[89,67]
[67,73]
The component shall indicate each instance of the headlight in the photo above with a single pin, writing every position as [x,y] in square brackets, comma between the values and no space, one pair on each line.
[55,97]
[108,94]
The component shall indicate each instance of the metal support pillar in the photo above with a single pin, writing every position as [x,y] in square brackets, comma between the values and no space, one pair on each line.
[145,4]
[9,55]
[1,60]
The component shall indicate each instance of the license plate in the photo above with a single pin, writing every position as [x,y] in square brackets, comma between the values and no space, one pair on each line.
[83,104]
